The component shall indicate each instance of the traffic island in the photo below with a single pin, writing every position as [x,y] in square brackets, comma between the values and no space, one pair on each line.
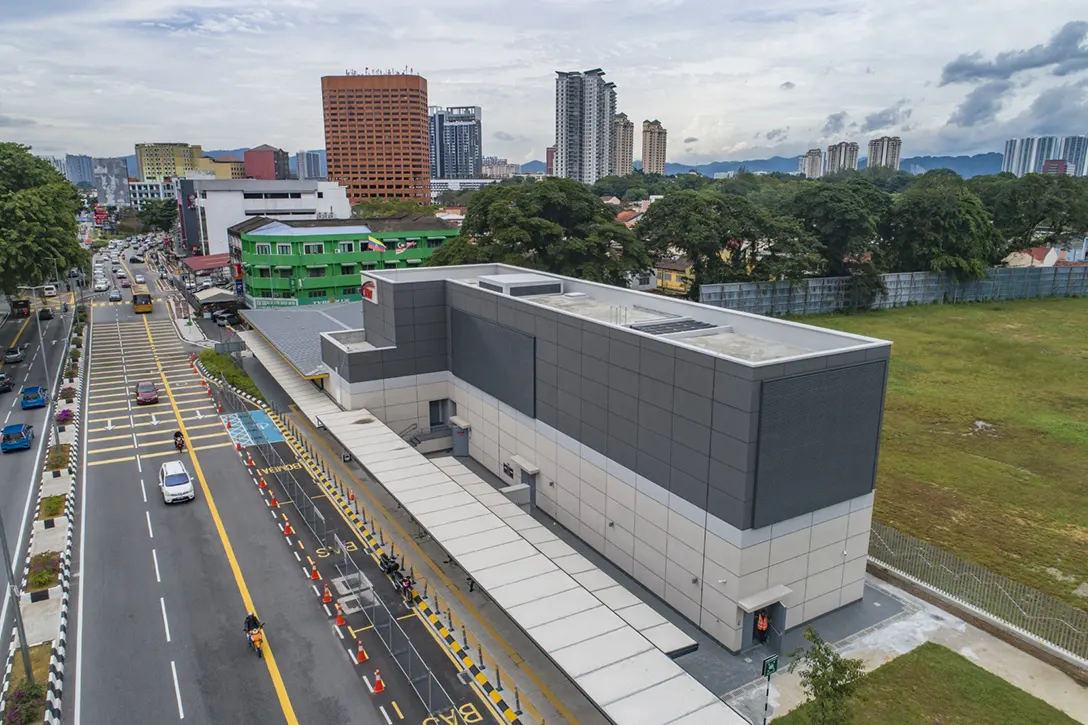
[45,590]
[26,702]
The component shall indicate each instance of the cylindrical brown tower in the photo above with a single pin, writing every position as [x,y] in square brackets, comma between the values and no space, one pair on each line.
[376,135]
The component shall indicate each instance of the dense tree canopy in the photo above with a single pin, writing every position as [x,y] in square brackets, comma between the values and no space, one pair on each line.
[384,208]
[159,214]
[37,220]
[761,227]
[556,225]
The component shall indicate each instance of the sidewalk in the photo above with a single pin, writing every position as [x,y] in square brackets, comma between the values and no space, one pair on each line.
[930,624]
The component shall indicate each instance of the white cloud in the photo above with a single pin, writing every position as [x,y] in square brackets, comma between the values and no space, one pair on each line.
[97,76]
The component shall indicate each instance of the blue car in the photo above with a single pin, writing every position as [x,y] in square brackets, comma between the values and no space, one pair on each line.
[35,397]
[17,436]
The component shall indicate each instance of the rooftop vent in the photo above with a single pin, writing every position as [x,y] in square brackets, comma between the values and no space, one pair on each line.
[521,285]
[668,327]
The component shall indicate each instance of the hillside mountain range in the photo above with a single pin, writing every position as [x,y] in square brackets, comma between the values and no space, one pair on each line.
[965,166]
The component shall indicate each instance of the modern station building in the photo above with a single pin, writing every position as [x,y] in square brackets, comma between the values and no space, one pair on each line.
[726,461]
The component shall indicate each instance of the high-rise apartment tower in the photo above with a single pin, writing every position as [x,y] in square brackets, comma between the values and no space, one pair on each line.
[376,135]
[456,142]
[624,153]
[585,107]
[842,157]
[884,151]
[654,138]
[158,161]
[812,164]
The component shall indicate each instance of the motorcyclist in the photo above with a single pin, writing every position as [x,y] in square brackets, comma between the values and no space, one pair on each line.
[179,439]
[252,623]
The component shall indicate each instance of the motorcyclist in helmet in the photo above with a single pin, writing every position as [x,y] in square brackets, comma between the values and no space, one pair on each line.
[179,439]
[252,623]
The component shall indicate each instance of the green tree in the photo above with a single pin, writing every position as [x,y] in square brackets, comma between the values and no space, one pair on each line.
[727,239]
[844,219]
[383,208]
[129,221]
[828,679]
[556,225]
[942,227]
[636,193]
[37,220]
[159,214]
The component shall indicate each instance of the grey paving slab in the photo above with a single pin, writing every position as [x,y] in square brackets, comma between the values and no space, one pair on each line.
[53,539]
[41,620]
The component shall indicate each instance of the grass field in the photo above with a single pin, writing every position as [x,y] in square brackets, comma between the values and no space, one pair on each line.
[933,684]
[985,445]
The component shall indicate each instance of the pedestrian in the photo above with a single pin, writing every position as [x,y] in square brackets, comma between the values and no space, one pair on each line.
[762,625]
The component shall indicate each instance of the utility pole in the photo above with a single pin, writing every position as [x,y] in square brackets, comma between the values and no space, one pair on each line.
[14,591]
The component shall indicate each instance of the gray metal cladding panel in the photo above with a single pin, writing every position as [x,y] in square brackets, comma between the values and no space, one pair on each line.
[497,360]
[818,437]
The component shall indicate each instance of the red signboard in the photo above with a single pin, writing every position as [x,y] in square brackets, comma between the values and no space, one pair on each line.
[100,214]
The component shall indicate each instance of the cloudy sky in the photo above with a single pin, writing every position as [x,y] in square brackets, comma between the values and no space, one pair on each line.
[728,79]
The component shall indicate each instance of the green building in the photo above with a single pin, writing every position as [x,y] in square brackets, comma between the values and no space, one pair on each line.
[306,262]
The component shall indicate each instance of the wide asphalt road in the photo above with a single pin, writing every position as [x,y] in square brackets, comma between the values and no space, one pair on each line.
[19,470]
[163,589]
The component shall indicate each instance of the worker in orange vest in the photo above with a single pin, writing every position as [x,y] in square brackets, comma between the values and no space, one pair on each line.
[762,623]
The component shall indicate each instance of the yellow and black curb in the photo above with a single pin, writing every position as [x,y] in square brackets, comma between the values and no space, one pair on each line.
[458,652]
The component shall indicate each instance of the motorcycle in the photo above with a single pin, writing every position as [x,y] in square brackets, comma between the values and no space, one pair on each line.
[179,443]
[64,307]
[255,637]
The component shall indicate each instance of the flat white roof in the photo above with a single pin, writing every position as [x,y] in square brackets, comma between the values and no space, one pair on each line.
[743,337]
[517,278]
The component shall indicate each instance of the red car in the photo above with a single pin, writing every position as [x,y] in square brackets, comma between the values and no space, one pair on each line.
[125,283]
[146,392]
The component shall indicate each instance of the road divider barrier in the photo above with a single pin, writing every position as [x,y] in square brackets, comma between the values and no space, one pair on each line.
[49,550]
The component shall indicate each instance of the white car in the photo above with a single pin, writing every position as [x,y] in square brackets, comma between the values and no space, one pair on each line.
[139,279]
[120,273]
[175,483]
[100,285]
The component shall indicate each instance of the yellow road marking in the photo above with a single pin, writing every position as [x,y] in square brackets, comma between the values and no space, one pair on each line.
[396,708]
[355,632]
[160,454]
[110,410]
[510,652]
[129,447]
[247,600]
[109,438]
[111,460]
[18,334]
[220,434]
[206,425]
[214,445]
[406,616]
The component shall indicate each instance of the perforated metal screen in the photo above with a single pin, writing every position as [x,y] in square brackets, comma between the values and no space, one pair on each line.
[818,437]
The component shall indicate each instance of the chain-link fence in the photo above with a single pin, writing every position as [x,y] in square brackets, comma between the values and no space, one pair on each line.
[1018,605]
[833,294]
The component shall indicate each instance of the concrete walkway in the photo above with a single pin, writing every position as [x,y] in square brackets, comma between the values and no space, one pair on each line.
[930,624]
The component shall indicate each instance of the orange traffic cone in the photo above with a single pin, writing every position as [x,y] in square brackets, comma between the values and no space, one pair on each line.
[287,530]
[327,596]
[313,571]
[262,484]
[360,655]
[379,686]
[237,446]
[351,494]
[273,503]
[229,426]
[203,383]
[249,459]
[340,621]
[209,392]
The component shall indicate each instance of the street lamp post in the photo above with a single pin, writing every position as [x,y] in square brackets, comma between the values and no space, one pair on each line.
[14,591]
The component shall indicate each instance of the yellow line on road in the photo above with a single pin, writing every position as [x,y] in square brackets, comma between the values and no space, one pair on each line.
[159,454]
[396,708]
[220,434]
[111,460]
[109,438]
[18,334]
[217,424]
[214,445]
[269,659]
[129,447]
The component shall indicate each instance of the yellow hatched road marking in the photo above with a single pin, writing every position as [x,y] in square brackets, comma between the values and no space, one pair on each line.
[107,450]
[109,438]
[214,445]
[111,460]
